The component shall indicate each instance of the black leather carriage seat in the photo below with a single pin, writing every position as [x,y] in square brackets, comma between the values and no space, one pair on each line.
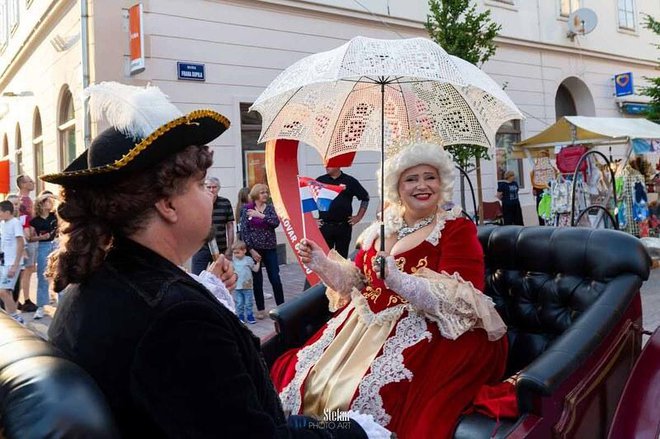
[43,395]
[543,279]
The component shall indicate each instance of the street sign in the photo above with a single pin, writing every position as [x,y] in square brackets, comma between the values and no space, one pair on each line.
[190,71]
[623,84]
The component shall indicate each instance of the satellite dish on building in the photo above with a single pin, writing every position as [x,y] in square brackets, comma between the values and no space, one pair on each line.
[581,22]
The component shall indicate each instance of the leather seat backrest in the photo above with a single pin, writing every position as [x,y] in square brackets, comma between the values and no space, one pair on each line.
[44,395]
[543,278]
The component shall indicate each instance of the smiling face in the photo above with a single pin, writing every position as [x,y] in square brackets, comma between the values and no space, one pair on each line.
[419,190]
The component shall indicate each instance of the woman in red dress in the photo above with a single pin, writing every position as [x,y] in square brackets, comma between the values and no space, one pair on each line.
[412,349]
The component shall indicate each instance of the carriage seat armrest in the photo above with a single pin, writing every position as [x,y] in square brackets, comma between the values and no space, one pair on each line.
[300,318]
[578,342]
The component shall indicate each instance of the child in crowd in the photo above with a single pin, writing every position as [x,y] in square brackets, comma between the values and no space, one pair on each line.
[12,244]
[243,293]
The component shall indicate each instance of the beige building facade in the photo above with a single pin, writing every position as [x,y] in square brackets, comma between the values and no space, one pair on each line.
[49,50]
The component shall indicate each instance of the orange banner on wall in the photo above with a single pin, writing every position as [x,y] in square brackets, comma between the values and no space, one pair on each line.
[5,184]
[282,171]
[136,38]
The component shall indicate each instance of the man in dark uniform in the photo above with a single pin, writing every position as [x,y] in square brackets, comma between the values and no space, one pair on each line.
[337,223]
[171,359]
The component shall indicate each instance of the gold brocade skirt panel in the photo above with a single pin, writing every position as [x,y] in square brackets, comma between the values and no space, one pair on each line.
[333,381]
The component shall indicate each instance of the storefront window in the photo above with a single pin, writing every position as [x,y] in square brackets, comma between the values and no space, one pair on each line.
[506,136]
[38,146]
[254,156]
[67,129]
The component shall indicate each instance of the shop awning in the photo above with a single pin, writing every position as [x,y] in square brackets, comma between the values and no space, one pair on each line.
[591,130]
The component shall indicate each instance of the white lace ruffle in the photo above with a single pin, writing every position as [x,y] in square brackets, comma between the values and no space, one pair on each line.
[337,273]
[307,357]
[455,305]
[342,278]
[389,367]
[217,288]
[394,222]
[368,317]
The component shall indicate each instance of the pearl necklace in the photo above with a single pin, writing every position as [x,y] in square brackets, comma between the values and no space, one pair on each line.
[407,230]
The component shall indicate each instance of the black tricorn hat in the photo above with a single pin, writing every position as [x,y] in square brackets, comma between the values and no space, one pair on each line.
[146,128]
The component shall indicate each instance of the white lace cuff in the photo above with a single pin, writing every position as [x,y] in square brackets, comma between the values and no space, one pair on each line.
[455,305]
[373,429]
[217,288]
[340,275]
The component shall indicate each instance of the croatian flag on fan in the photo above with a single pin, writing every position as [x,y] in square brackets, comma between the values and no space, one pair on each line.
[315,195]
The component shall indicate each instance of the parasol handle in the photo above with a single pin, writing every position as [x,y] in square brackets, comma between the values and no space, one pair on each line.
[380,259]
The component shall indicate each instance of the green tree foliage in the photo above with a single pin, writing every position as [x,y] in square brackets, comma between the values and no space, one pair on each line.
[463,32]
[653,112]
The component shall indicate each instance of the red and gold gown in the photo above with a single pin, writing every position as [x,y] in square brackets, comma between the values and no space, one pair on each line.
[379,355]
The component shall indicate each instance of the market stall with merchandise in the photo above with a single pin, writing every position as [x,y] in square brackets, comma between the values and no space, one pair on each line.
[578,184]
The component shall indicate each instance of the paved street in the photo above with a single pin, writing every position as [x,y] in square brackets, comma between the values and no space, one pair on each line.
[293,280]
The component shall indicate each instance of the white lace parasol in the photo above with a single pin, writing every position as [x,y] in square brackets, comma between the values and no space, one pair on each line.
[333,101]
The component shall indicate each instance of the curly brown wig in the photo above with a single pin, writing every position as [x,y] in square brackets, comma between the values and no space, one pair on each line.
[91,216]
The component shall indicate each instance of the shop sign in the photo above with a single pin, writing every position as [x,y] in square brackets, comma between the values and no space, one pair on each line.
[632,108]
[623,84]
[136,39]
[190,71]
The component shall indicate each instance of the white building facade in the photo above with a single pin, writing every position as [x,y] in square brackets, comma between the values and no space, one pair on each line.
[49,50]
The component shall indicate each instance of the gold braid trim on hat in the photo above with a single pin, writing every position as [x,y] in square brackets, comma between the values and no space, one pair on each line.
[188,119]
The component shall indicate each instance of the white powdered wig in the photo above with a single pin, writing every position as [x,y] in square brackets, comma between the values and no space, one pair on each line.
[421,153]
[134,111]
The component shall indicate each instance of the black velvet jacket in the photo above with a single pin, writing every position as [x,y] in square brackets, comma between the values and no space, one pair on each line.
[170,359]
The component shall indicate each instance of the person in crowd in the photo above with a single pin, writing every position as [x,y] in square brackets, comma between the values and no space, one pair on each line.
[44,231]
[507,191]
[336,224]
[258,224]
[171,360]
[242,200]
[244,266]
[16,202]
[414,348]
[223,227]
[25,185]
[12,245]
[541,175]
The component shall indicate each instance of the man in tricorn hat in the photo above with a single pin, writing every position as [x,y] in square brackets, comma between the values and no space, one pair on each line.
[170,359]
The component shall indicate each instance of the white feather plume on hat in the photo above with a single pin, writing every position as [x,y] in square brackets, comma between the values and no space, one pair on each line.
[134,111]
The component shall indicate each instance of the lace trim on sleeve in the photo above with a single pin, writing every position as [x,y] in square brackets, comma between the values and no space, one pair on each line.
[341,277]
[455,305]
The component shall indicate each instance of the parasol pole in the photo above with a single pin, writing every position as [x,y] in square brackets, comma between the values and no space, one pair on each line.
[382,174]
